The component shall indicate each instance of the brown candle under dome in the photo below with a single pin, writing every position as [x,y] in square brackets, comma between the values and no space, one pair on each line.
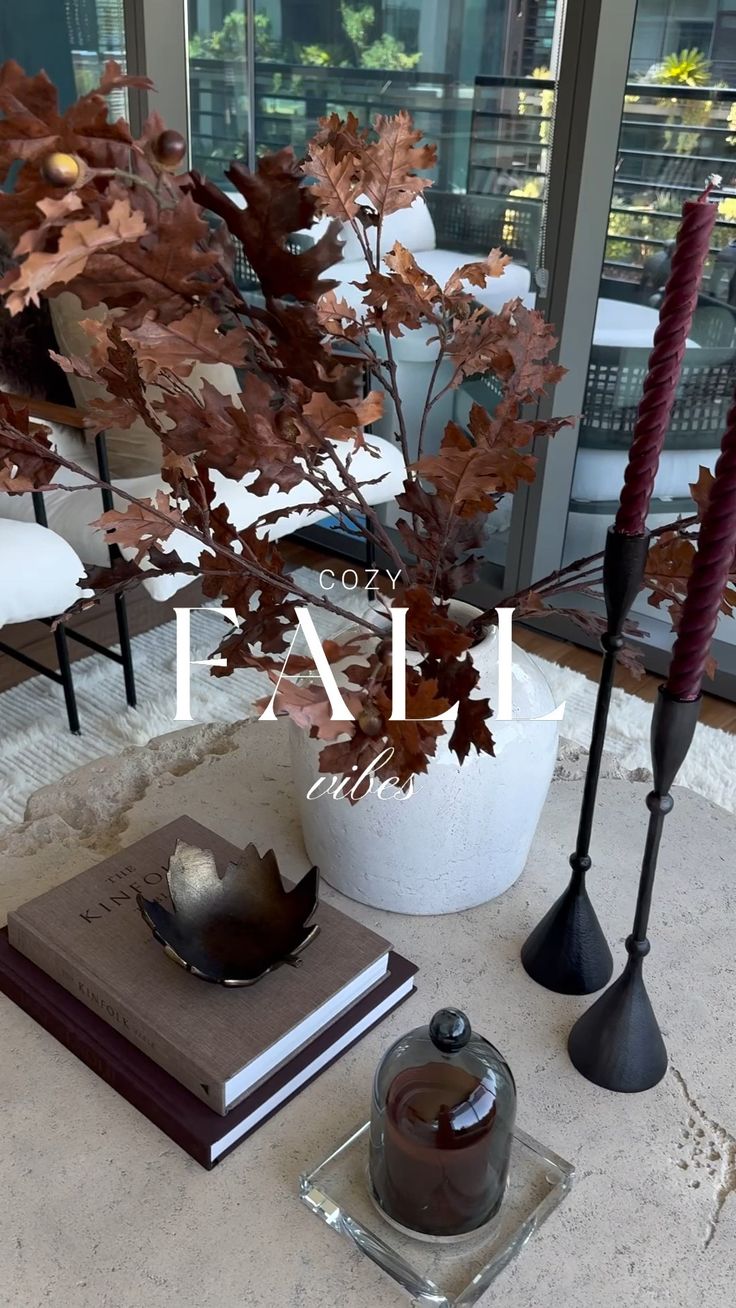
[442,1123]
[665,362]
[711,568]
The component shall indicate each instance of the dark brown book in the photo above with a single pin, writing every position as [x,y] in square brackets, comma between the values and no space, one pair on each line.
[218,1042]
[205,1135]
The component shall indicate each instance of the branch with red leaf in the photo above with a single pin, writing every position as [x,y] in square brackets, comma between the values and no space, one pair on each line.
[110,217]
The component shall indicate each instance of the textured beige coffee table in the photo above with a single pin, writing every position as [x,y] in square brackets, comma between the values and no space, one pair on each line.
[101,1211]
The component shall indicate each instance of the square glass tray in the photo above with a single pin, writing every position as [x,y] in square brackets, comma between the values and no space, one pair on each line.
[446,1275]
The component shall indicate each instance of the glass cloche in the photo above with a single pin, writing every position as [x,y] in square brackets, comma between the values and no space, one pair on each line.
[442,1117]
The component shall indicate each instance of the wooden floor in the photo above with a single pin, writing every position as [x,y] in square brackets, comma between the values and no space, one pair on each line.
[144,613]
[716,712]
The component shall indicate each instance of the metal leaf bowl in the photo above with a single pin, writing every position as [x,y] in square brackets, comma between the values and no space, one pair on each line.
[232,929]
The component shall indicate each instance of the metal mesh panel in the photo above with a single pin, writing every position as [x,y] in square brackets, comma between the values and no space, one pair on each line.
[613,391]
[478,223]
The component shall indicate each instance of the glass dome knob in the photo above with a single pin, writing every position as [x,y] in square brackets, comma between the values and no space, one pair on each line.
[449,1030]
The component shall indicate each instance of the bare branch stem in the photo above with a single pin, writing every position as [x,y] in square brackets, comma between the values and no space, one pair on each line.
[240,564]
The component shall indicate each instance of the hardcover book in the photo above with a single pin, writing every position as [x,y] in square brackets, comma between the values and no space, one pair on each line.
[220,1043]
[205,1135]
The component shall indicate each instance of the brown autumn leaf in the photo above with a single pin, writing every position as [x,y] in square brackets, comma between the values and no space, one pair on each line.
[27,460]
[503,429]
[529,342]
[237,586]
[531,602]
[346,420]
[277,204]
[335,186]
[414,741]
[468,474]
[196,423]
[476,343]
[268,609]
[700,489]
[350,758]
[122,575]
[119,576]
[55,211]
[392,304]
[32,125]
[309,707]
[114,77]
[668,567]
[338,318]
[31,120]
[445,545]
[177,464]
[253,436]
[79,241]
[138,526]
[514,343]
[478,271]
[113,363]
[429,627]
[403,298]
[346,136]
[388,165]
[294,342]
[456,680]
[165,273]
[178,345]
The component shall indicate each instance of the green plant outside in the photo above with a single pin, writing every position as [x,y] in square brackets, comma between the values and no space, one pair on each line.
[355,50]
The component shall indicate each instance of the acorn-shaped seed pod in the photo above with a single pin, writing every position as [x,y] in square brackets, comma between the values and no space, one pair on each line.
[169,149]
[383,650]
[370,721]
[61,169]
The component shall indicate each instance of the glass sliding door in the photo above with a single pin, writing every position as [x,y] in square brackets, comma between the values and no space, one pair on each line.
[569,134]
[70,39]
[219,90]
[476,76]
[678,126]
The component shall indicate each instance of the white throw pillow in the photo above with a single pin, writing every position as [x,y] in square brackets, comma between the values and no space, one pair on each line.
[41,572]
[413,228]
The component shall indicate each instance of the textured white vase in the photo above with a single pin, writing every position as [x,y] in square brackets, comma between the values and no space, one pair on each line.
[464,834]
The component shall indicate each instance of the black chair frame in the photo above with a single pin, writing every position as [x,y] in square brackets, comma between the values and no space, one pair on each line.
[63,632]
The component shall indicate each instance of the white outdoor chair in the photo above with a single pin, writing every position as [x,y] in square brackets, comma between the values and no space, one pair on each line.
[414,228]
[41,576]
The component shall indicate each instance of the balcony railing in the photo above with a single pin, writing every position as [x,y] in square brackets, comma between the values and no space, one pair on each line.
[494,137]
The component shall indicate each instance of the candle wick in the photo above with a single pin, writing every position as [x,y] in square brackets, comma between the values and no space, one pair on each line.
[714,181]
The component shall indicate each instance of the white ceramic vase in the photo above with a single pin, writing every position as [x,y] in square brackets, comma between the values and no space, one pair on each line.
[463,836]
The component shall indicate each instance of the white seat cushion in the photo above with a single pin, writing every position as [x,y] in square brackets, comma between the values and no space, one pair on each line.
[411,227]
[70,512]
[40,571]
[440,264]
[599,473]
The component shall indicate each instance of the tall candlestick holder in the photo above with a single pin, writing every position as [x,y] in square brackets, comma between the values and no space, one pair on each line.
[617,1043]
[567,951]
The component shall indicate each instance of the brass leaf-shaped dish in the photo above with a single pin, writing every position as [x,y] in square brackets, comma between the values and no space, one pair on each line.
[235,928]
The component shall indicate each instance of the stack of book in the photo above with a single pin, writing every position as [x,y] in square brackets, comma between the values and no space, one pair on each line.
[206,1063]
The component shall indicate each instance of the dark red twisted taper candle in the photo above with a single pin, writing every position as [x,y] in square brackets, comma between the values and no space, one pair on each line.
[665,362]
[711,567]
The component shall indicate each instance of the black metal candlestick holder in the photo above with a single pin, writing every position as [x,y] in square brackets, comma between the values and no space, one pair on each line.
[617,1043]
[567,951]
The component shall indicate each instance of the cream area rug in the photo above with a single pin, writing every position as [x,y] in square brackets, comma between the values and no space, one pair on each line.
[36,747]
